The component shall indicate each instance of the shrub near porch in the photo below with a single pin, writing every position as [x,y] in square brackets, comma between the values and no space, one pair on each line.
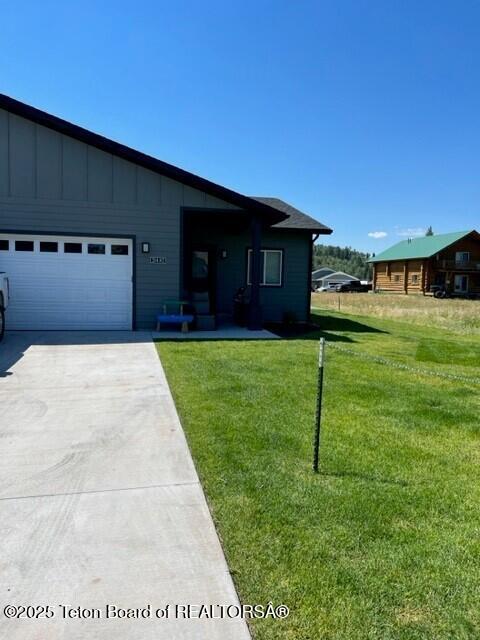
[383,544]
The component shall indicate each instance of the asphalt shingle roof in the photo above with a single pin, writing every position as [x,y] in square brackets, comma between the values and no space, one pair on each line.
[321,272]
[296,219]
[424,247]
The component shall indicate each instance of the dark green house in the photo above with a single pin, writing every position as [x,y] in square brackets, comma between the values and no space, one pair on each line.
[94,234]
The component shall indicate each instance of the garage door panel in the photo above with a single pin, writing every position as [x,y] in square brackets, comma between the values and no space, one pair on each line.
[53,291]
[58,290]
[69,319]
[75,269]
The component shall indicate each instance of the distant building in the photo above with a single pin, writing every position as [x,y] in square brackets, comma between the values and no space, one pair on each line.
[336,277]
[320,273]
[449,262]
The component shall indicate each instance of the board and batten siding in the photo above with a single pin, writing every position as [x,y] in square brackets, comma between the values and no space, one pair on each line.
[52,183]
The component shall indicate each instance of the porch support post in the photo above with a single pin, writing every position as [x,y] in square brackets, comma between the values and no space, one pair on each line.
[254,311]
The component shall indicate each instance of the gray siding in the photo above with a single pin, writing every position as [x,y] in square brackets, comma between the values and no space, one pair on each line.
[50,182]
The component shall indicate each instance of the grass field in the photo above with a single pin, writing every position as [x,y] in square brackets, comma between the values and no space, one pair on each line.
[459,316]
[385,542]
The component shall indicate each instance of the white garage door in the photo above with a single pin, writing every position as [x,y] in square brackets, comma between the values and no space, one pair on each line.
[66,282]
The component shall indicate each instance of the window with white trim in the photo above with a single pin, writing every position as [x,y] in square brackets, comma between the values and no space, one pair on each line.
[271,265]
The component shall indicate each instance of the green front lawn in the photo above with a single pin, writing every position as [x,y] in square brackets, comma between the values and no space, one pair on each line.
[385,542]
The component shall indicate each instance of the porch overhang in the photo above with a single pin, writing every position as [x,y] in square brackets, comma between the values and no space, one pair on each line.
[235,216]
[235,221]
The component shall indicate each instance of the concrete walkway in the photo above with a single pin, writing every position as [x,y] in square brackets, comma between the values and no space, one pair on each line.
[223,332]
[99,500]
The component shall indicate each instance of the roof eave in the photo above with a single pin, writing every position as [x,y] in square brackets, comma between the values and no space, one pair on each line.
[321,231]
[387,259]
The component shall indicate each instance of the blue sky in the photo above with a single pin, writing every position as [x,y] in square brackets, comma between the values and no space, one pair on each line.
[363,114]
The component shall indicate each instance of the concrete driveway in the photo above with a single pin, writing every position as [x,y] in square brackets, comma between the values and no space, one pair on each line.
[100,503]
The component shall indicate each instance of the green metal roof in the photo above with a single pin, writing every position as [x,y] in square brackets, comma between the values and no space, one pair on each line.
[423,247]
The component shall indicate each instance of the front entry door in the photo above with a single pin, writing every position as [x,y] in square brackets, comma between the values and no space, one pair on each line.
[202,276]
[461,284]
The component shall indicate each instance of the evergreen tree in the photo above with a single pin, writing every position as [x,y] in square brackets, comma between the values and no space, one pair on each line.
[342,259]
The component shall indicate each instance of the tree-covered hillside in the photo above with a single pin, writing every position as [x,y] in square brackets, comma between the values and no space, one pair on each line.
[342,259]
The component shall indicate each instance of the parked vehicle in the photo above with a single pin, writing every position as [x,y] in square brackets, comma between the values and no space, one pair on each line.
[331,287]
[441,292]
[4,297]
[355,286]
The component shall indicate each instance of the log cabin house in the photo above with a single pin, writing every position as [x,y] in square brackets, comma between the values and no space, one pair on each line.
[448,262]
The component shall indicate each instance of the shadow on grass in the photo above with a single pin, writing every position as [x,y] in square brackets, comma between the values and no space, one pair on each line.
[323,326]
[329,323]
[362,476]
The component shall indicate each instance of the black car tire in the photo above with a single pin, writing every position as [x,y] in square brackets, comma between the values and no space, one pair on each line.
[2,323]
